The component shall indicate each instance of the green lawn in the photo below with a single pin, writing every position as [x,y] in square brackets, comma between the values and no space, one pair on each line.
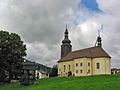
[102,82]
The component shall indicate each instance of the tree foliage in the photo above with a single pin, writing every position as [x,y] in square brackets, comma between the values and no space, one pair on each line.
[12,51]
[26,79]
[54,71]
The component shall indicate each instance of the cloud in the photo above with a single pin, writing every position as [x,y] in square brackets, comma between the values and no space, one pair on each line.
[40,24]
[110,7]
[85,33]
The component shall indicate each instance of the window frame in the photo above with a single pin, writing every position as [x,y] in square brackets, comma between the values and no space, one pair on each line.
[64,68]
[98,65]
[81,64]
[76,71]
[89,64]
[88,71]
[69,67]
[76,65]
[81,71]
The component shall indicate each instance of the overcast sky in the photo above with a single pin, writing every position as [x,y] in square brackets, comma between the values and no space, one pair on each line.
[41,25]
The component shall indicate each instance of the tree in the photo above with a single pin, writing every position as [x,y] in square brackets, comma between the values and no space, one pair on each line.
[12,51]
[54,71]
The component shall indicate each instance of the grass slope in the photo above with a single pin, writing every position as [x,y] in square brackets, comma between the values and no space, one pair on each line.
[102,82]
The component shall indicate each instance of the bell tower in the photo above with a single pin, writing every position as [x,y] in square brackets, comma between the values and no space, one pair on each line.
[99,40]
[66,46]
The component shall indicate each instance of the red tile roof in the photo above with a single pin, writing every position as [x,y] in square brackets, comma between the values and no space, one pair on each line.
[93,52]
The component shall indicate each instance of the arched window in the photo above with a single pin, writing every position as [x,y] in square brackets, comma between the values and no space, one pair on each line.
[64,68]
[88,64]
[69,67]
[98,65]
[80,71]
[81,64]
[76,64]
[76,71]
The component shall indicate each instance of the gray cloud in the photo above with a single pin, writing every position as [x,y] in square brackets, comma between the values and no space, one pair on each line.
[41,24]
[86,31]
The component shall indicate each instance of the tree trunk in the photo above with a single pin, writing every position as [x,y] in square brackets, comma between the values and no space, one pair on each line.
[10,75]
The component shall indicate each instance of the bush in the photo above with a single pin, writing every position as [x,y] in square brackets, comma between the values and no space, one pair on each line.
[69,73]
[26,80]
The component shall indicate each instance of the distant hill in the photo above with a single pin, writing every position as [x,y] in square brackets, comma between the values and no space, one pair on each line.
[44,68]
[41,67]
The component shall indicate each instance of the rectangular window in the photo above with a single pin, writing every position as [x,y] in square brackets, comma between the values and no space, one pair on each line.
[59,69]
[80,71]
[76,65]
[81,64]
[88,71]
[88,64]
[98,65]
[64,68]
[76,71]
[69,67]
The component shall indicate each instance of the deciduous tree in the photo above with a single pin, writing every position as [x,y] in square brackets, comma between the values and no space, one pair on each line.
[12,51]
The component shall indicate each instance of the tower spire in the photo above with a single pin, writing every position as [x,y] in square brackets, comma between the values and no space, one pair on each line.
[98,32]
[66,26]
[66,33]
[99,40]
[66,47]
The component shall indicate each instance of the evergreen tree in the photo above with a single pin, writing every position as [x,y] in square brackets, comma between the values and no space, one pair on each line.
[54,71]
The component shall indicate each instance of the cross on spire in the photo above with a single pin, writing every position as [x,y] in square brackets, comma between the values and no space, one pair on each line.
[99,33]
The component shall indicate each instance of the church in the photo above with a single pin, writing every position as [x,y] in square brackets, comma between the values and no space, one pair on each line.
[89,61]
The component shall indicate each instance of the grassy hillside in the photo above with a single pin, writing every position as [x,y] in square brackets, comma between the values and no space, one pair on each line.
[106,82]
